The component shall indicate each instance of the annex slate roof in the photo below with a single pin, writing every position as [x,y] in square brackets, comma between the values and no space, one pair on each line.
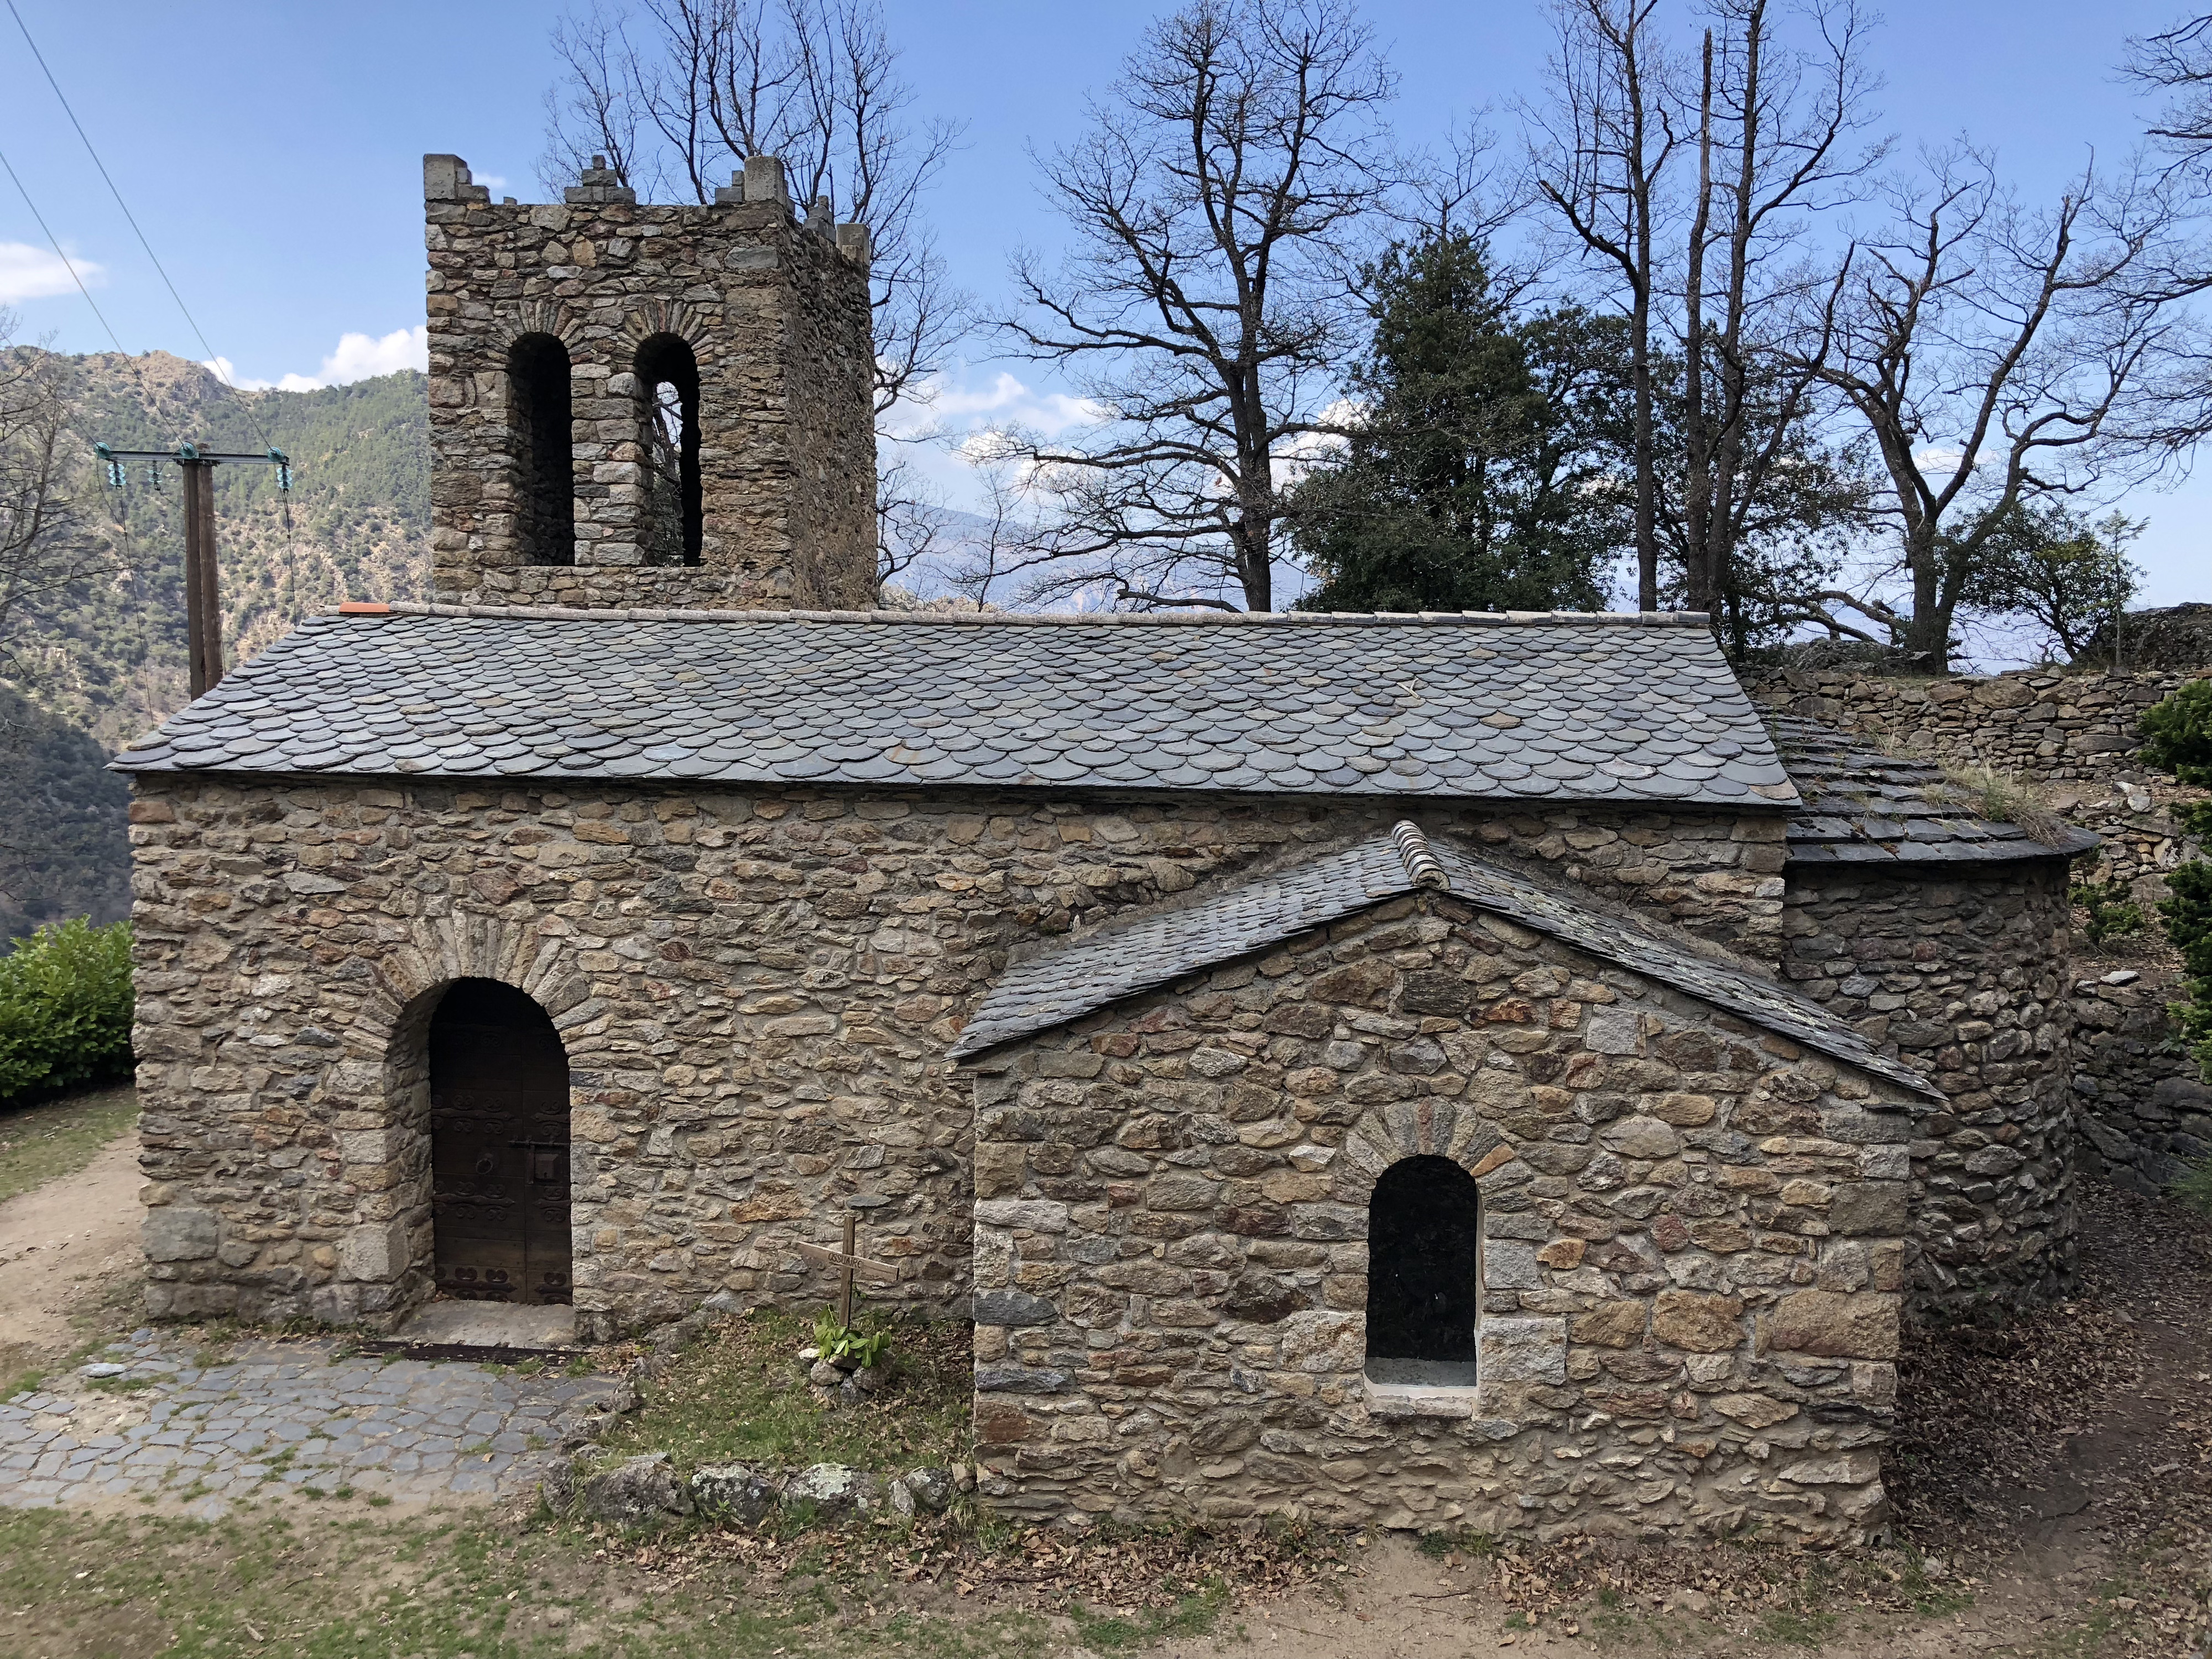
[1542,706]
[1865,807]
[1122,959]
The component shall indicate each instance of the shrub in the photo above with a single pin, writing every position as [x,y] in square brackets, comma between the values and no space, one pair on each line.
[2188,912]
[2177,737]
[2177,733]
[64,1008]
[2108,909]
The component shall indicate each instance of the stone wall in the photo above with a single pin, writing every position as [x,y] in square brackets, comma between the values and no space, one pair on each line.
[756,992]
[776,313]
[1965,976]
[2143,1112]
[2076,732]
[1692,1270]
[2042,724]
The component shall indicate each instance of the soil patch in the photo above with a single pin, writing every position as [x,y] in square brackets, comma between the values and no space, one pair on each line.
[71,1246]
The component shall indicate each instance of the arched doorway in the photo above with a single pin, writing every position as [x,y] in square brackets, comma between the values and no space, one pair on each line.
[1424,1273]
[499,1146]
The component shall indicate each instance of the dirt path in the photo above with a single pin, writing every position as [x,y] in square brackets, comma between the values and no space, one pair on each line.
[62,1245]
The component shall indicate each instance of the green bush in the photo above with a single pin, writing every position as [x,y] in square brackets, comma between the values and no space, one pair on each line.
[2177,733]
[2178,737]
[64,1008]
[2188,912]
[2107,910]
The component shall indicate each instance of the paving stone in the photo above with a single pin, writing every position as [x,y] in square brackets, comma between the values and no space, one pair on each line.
[399,1428]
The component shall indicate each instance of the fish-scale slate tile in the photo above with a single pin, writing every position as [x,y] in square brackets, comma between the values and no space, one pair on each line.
[1863,807]
[1541,706]
[1125,958]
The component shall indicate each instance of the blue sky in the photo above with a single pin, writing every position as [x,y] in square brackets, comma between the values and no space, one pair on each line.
[272,152]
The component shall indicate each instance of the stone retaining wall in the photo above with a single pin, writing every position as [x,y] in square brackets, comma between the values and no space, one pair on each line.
[1691,1283]
[2045,724]
[2142,1111]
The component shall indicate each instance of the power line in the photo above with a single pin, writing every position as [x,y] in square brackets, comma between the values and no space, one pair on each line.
[67,264]
[214,359]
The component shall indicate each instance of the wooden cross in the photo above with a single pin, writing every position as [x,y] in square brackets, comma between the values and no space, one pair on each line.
[849,1262]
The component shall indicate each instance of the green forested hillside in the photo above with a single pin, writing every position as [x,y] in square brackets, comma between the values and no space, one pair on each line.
[62,850]
[107,658]
[110,654]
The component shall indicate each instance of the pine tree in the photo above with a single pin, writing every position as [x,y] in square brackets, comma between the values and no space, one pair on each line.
[1487,469]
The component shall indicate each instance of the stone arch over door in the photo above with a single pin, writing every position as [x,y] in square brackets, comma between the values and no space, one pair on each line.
[388,1139]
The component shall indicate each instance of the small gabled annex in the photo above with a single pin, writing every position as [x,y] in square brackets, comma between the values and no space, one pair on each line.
[1393,1187]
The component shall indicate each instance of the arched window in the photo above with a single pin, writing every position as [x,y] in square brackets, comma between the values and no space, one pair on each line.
[1424,1273]
[544,452]
[668,418]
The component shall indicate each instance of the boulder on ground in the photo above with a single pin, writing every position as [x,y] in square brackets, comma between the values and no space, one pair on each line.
[736,1492]
[829,1491]
[930,1489]
[636,1490]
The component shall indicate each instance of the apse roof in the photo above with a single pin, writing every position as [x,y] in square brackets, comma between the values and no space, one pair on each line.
[1863,807]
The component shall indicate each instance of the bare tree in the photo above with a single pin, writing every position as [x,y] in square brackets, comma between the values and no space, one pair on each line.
[2179,61]
[1600,148]
[1997,356]
[1219,205]
[676,93]
[1774,137]
[43,544]
[910,522]
[1000,543]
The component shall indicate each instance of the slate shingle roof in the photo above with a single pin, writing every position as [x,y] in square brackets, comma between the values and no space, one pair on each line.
[1544,707]
[1122,959]
[1865,807]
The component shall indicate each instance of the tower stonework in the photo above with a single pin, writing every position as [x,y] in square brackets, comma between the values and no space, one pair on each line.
[647,406]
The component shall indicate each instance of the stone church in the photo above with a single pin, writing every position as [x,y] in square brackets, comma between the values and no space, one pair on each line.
[1410,1070]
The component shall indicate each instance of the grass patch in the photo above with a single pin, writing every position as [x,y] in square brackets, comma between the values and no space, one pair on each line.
[1193,1615]
[1458,1540]
[334,1585]
[118,1384]
[1797,1626]
[737,1395]
[57,1138]
[2003,797]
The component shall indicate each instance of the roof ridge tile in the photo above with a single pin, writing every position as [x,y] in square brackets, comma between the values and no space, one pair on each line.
[1047,619]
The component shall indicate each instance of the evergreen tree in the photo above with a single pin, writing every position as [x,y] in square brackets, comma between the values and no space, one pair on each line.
[1488,469]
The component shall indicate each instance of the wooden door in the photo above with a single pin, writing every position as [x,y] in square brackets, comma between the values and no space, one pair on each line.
[499,1146]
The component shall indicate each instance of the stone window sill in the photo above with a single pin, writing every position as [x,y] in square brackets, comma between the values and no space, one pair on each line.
[1421,1400]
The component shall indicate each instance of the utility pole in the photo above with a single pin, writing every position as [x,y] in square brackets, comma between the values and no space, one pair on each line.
[203,581]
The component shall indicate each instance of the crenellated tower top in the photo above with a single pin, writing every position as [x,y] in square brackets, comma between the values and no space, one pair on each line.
[660,406]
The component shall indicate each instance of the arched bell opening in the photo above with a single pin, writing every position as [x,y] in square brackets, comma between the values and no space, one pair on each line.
[540,422]
[499,1147]
[668,419]
[1424,1274]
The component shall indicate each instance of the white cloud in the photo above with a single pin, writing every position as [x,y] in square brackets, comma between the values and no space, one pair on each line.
[358,357]
[37,273]
[1004,400]
[490,180]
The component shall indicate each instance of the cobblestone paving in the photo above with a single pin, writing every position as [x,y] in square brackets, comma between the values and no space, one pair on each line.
[275,1415]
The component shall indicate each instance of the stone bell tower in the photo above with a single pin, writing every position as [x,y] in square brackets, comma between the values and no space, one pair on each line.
[649,407]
